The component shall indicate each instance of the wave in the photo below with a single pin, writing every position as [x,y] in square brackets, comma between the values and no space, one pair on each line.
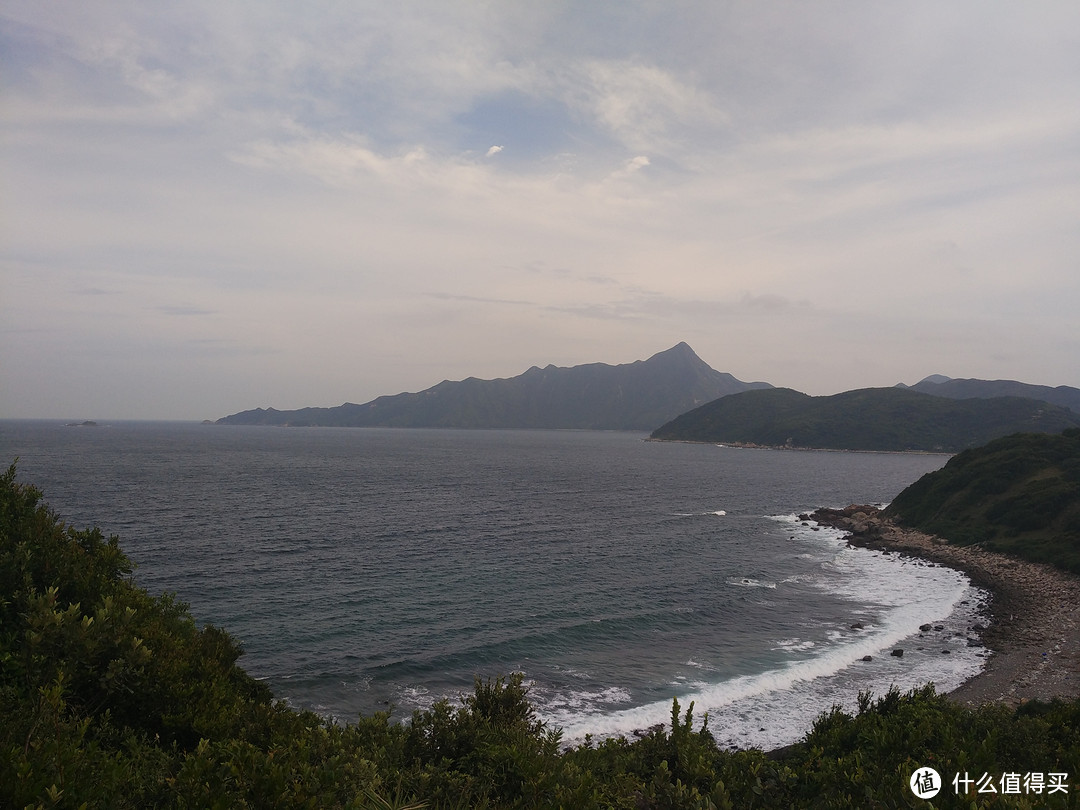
[749,582]
[776,706]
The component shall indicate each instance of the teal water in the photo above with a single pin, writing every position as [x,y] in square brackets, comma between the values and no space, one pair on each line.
[363,568]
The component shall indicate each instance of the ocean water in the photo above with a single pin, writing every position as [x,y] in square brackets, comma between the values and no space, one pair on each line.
[368,568]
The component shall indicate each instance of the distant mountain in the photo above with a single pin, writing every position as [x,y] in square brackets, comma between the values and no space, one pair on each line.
[933,378]
[1064,395]
[634,396]
[1019,495]
[865,419]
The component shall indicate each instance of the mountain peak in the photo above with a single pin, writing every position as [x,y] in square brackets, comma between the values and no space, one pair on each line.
[634,396]
[682,347]
[680,351]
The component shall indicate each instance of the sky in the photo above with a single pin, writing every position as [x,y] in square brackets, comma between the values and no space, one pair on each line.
[207,207]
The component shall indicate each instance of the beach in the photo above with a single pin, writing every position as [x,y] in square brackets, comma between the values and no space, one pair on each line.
[1034,632]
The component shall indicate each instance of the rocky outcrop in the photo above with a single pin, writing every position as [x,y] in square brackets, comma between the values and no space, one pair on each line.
[858,519]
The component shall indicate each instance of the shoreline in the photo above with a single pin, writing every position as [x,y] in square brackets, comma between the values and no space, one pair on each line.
[1034,632]
[798,448]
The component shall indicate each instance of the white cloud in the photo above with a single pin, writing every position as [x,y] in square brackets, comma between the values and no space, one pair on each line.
[644,106]
[631,167]
[775,188]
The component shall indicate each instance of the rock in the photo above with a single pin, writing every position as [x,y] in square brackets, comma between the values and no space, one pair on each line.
[946,652]
[924,628]
[868,658]
[857,626]
[897,653]
[939,627]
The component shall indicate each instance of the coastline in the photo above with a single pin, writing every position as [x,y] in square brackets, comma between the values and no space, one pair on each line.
[1034,632]
[799,448]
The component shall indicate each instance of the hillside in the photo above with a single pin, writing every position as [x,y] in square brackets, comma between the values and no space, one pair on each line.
[1063,395]
[886,419]
[1019,495]
[633,396]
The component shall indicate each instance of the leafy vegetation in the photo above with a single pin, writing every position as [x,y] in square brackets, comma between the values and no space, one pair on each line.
[1019,494]
[110,697]
[886,419]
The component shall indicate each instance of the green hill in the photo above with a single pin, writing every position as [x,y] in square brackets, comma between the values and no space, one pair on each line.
[887,419]
[1019,494]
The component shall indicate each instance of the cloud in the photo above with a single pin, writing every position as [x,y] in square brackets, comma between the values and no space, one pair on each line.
[630,168]
[771,181]
[692,312]
[476,299]
[644,106]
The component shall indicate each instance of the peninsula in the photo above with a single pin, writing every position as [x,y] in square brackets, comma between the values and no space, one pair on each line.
[881,419]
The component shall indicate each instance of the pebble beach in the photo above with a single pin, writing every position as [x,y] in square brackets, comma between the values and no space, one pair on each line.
[1034,632]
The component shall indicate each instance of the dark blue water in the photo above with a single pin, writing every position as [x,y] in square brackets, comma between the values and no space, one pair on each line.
[362,568]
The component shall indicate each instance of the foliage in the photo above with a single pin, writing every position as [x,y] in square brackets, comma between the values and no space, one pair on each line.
[865,419]
[1018,495]
[112,698]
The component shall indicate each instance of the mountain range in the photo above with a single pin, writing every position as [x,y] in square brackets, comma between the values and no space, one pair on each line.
[596,396]
[691,401]
[941,386]
[887,419]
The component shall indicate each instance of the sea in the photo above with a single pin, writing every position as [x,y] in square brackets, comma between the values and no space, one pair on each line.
[371,569]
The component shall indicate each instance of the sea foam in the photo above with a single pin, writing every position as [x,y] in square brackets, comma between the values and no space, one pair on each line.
[778,706]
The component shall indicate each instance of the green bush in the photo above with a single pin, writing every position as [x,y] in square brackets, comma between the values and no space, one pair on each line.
[112,698]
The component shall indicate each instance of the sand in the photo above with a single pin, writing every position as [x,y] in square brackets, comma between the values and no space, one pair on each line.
[1034,632]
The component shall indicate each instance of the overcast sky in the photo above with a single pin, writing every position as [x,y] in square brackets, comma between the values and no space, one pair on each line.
[211,206]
